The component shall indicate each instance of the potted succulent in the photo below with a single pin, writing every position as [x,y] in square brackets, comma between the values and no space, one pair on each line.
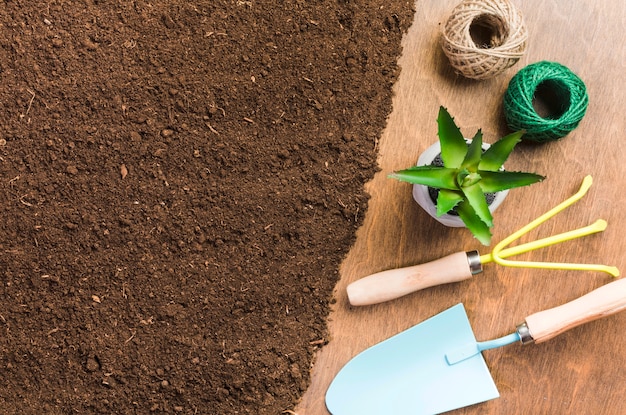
[465,178]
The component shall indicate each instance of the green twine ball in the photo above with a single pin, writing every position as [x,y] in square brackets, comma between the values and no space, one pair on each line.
[562,93]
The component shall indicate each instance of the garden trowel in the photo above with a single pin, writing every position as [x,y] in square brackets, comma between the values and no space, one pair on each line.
[437,365]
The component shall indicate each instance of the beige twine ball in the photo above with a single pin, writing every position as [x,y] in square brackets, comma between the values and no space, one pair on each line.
[482,38]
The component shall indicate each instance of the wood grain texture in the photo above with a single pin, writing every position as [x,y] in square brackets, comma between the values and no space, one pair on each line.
[394,283]
[606,300]
[582,370]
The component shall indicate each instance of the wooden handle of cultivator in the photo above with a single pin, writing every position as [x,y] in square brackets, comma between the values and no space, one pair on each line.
[395,283]
[601,302]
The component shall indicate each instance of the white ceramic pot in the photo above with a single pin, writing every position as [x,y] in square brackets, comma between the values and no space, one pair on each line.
[422,197]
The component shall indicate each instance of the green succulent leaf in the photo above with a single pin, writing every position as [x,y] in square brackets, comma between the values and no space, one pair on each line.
[477,200]
[447,200]
[453,146]
[496,181]
[467,178]
[496,155]
[461,176]
[433,176]
[480,230]
[474,153]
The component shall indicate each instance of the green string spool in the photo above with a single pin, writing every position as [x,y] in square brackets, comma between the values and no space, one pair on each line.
[549,89]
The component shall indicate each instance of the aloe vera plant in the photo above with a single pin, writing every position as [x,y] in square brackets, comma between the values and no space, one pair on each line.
[467,174]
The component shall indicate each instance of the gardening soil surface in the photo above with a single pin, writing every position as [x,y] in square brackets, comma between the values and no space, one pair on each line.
[179,184]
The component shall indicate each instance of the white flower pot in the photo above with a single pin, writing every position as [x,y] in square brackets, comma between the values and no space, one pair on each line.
[422,197]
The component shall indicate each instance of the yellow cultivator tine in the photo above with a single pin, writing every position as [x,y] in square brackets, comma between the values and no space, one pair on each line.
[597,226]
[499,252]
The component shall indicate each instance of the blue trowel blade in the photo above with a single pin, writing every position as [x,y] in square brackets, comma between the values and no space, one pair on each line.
[408,373]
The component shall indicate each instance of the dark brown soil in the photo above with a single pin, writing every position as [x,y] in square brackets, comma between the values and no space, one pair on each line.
[179,183]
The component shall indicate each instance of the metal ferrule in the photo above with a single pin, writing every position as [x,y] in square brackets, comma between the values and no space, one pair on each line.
[524,333]
[473,259]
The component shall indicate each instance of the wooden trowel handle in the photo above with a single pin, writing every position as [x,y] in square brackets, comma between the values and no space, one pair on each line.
[601,302]
[391,284]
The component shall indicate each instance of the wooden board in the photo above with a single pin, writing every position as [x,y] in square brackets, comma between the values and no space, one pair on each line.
[581,371]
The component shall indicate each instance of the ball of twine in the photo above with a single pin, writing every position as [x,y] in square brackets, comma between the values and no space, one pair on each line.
[482,38]
[557,92]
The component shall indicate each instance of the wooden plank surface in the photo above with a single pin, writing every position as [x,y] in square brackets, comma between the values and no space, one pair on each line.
[581,371]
